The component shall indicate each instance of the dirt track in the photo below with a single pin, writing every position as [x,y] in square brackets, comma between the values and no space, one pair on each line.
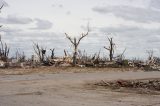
[68,89]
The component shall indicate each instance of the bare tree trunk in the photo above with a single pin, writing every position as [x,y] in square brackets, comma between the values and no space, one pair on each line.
[65,53]
[52,53]
[110,48]
[75,56]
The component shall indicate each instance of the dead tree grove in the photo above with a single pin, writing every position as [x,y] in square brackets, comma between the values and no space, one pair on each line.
[40,52]
[20,56]
[110,48]
[75,42]
[4,49]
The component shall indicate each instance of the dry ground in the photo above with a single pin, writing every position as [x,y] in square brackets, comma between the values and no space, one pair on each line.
[61,87]
[53,70]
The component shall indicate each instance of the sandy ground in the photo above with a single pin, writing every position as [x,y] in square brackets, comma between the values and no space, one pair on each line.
[68,89]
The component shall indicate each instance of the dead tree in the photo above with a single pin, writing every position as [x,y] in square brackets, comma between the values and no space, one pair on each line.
[20,56]
[40,51]
[75,42]
[151,60]
[96,59]
[121,56]
[65,53]
[150,54]
[111,48]
[4,50]
[52,53]
[0,11]
[1,6]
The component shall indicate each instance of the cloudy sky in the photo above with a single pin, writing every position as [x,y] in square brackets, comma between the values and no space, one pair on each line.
[134,24]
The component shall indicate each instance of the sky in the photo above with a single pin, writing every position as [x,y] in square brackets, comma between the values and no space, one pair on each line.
[133,24]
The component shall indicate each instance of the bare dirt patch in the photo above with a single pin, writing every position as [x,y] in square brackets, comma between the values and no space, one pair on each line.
[30,93]
[67,89]
[55,70]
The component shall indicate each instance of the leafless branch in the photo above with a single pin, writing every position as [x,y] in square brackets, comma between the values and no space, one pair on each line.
[69,38]
[106,48]
[0,11]
[1,6]
[83,35]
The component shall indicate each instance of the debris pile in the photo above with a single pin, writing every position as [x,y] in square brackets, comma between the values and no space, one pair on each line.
[143,84]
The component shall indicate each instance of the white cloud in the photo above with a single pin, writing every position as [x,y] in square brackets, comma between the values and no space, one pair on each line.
[9,30]
[137,14]
[13,19]
[42,24]
[155,4]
